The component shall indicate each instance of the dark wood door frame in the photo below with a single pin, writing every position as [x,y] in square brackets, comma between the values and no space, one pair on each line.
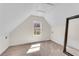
[66,34]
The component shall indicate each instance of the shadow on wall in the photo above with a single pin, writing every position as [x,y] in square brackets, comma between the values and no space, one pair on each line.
[25,31]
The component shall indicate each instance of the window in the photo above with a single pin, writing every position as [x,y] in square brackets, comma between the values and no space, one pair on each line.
[37,28]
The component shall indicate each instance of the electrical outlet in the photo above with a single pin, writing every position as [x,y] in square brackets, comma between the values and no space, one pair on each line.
[5,37]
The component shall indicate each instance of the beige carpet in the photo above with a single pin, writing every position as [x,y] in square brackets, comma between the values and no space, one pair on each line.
[47,48]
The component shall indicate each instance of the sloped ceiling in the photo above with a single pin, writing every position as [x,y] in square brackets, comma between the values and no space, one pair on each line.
[13,14]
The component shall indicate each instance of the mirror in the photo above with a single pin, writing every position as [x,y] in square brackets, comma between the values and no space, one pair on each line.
[73,37]
[71,43]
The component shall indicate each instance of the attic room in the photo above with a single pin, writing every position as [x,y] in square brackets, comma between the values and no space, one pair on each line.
[39,29]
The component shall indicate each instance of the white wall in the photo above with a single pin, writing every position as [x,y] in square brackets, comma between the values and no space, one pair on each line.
[60,13]
[11,15]
[24,32]
[4,43]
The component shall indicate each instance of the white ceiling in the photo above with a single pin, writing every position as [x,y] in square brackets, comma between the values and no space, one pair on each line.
[13,14]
